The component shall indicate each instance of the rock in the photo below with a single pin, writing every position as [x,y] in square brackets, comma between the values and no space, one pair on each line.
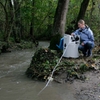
[43,62]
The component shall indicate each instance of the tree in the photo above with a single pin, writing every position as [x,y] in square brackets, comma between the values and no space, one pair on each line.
[59,22]
[82,11]
[6,20]
[32,24]
[60,17]
[12,19]
[17,20]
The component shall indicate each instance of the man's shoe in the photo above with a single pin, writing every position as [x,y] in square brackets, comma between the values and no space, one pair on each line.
[89,55]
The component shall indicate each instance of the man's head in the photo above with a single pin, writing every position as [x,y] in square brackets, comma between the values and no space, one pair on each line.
[81,23]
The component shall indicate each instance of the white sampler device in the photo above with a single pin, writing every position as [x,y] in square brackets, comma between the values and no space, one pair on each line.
[71,46]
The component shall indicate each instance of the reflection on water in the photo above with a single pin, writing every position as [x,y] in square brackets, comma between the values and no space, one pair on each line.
[14,85]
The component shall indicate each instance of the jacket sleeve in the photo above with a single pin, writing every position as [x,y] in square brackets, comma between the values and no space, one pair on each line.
[76,32]
[90,36]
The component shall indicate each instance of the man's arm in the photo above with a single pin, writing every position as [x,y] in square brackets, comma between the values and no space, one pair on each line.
[75,32]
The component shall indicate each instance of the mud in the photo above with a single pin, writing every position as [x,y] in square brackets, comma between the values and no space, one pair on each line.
[90,88]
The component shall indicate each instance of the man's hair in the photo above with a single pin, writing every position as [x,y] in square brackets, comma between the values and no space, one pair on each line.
[81,21]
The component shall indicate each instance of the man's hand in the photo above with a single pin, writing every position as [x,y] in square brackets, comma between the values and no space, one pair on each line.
[82,44]
[72,34]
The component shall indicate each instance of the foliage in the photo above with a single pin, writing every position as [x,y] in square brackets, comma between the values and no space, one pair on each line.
[92,17]
[74,7]
[42,15]
[24,45]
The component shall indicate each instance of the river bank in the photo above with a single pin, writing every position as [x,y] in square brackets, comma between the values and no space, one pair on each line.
[14,85]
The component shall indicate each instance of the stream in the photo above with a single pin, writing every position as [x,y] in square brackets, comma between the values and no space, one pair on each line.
[14,84]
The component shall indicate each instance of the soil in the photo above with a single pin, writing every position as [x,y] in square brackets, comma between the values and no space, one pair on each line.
[88,89]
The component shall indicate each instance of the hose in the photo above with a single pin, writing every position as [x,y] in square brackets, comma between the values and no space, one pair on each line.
[50,78]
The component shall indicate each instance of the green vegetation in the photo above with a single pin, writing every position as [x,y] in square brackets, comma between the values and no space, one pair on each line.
[42,64]
[27,19]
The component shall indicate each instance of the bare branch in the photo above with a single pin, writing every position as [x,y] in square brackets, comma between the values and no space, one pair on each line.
[5,3]
[4,9]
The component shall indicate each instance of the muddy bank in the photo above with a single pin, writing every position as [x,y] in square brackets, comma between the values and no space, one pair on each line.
[88,89]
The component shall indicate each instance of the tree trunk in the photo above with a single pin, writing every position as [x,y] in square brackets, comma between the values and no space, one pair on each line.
[17,30]
[92,9]
[49,28]
[82,11]
[6,22]
[60,17]
[32,22]
[32,25]
[59,23]
[10,14]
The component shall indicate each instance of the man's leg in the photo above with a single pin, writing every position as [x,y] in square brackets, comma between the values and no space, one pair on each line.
[89,46]
[82,48]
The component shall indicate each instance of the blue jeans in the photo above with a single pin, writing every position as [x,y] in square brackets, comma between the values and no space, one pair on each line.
[87,48]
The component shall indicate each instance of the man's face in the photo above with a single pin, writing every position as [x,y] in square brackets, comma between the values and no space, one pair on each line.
[80,25]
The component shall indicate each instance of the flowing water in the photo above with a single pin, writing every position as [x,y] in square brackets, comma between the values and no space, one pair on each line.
[14,85]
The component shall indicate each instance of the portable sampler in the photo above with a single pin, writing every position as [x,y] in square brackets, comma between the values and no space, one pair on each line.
[70,46]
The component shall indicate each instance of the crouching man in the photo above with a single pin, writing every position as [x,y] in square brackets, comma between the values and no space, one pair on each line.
[86,38]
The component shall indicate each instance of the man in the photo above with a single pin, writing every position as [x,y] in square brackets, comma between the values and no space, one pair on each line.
[86,38]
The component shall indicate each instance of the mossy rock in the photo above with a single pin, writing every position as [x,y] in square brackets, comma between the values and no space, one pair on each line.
[42,64]
[55,40]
